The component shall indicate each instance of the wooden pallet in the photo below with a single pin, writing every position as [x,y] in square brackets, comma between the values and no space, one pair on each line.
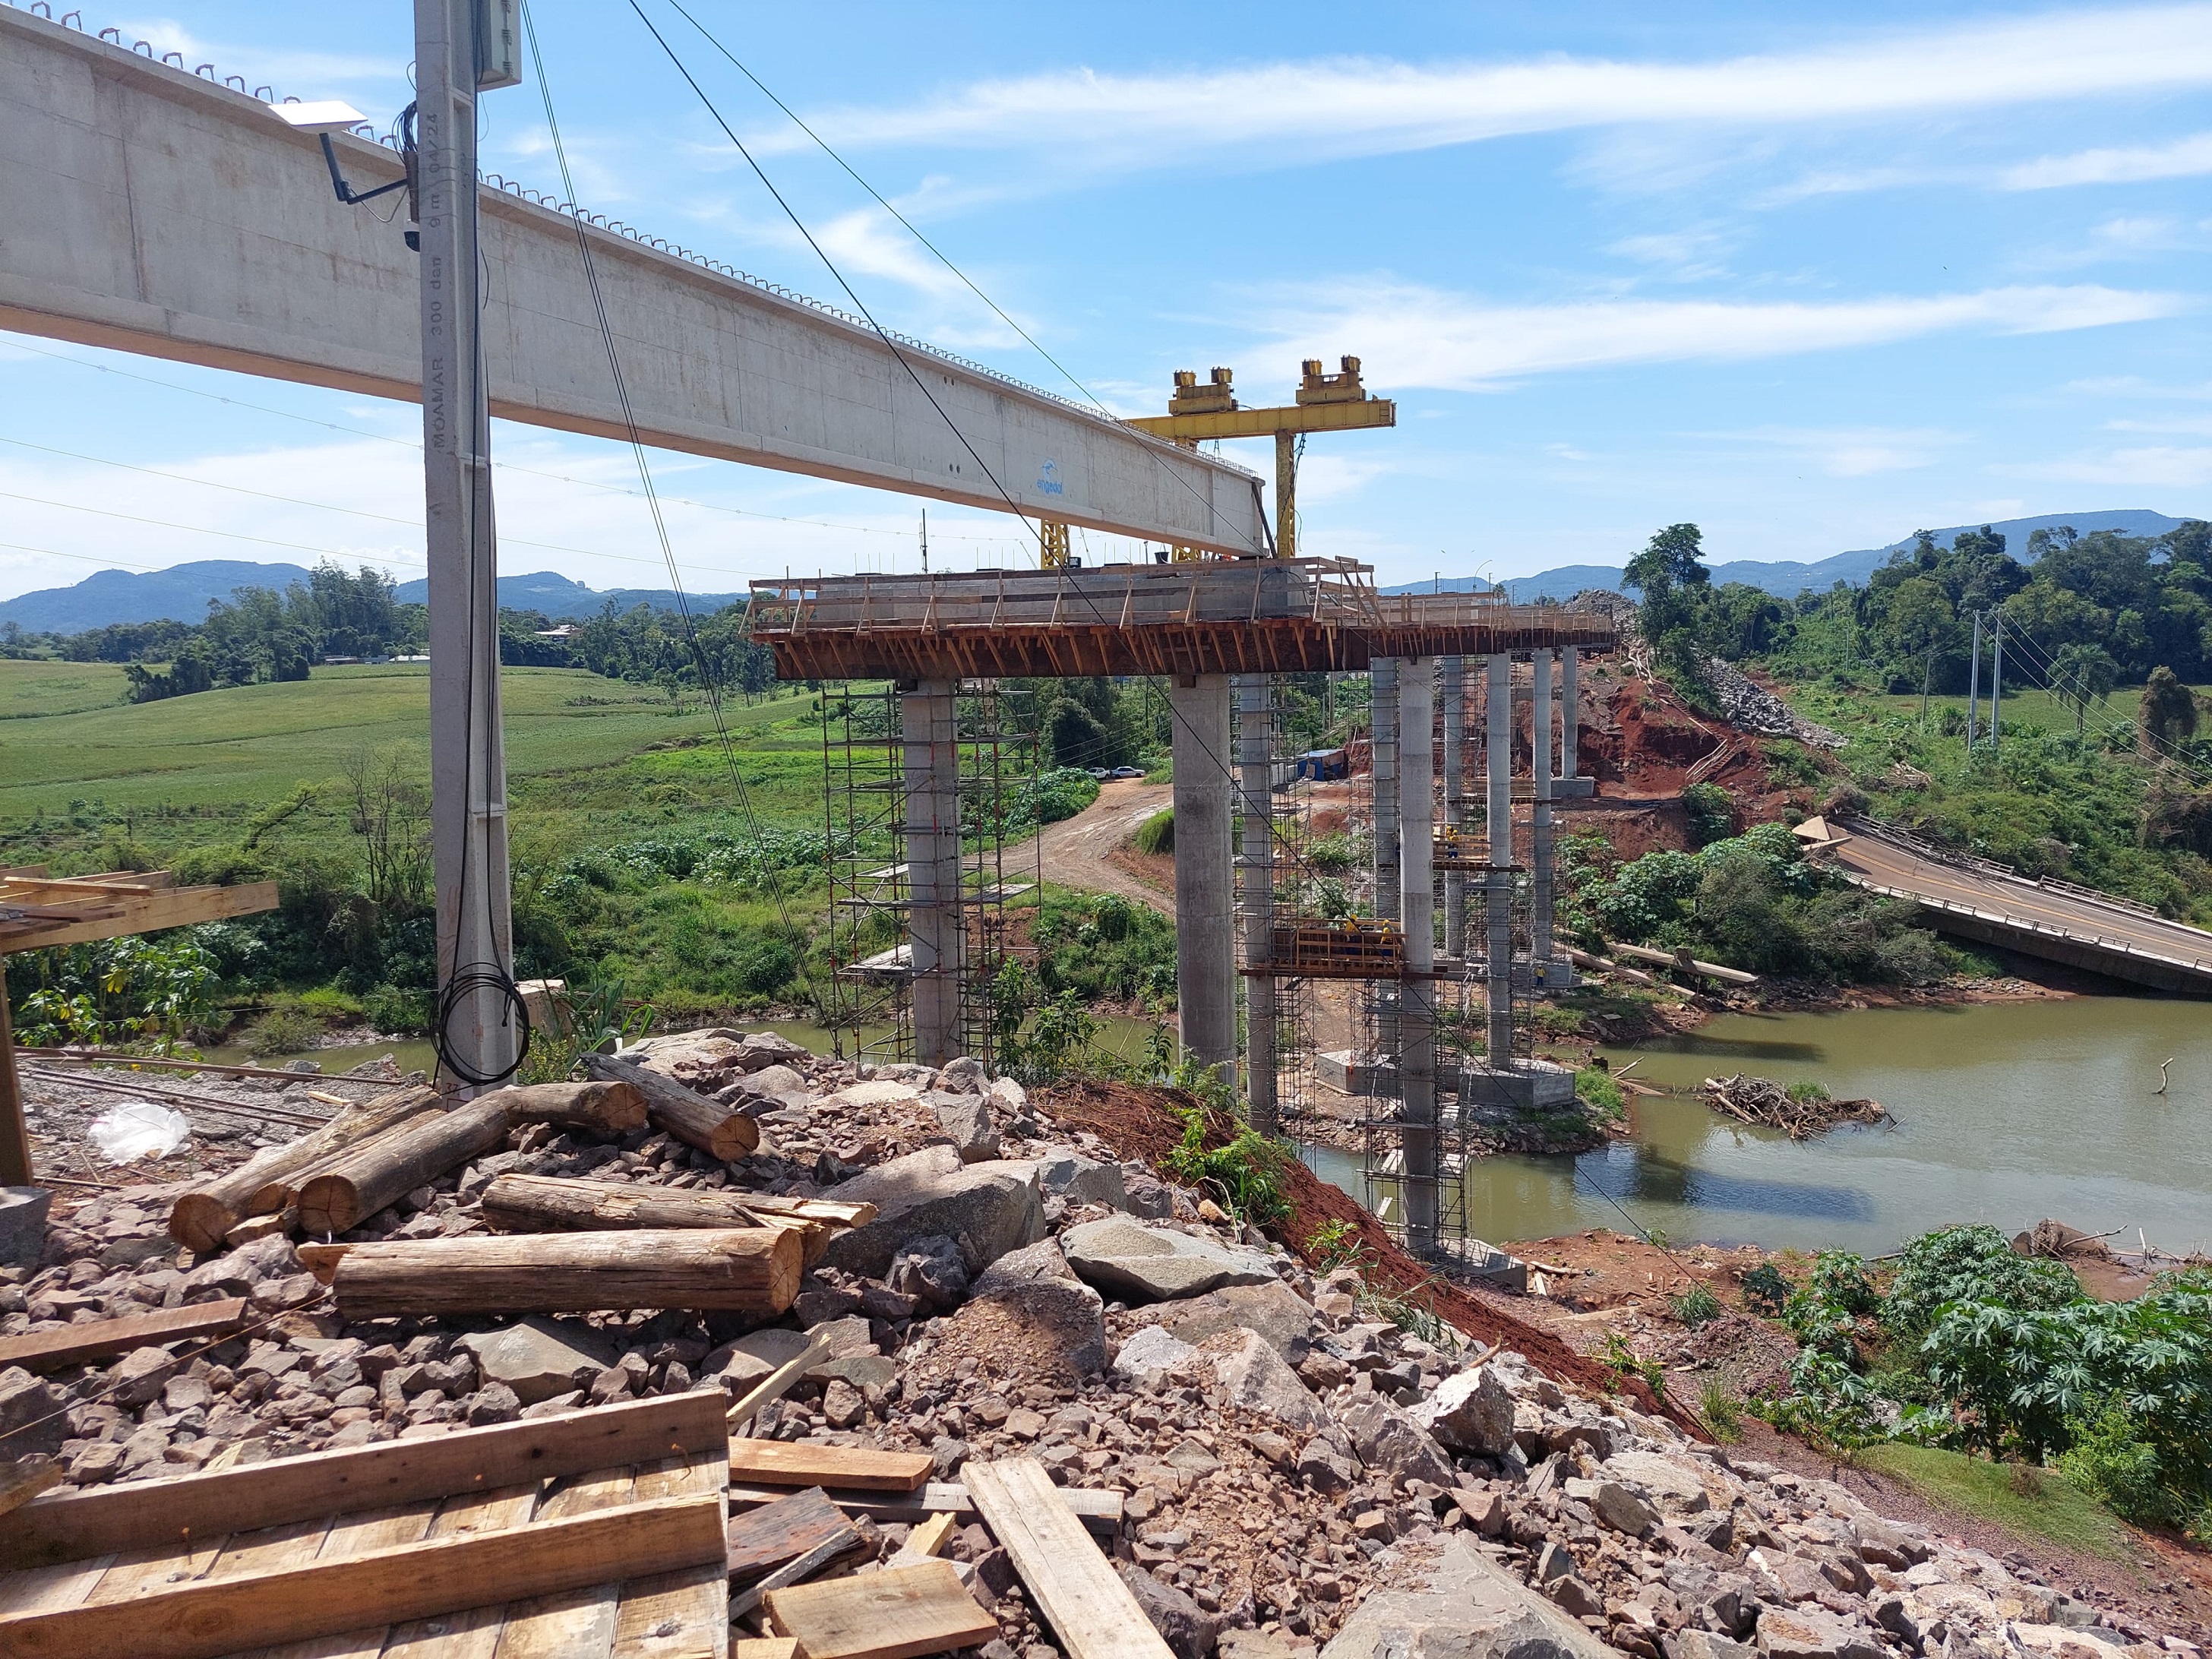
[594,1534]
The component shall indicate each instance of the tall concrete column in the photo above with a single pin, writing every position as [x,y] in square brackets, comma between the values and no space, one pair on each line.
[1206,920]
[930,760]
[1382,731]
[1497,894]
[1539,886]
[1255,885]
[1417,1010]
[1569,707]
[1452,687]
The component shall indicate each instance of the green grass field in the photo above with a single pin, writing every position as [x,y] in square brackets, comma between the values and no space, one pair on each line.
[2036,1503]
[75,756]
[2026,707]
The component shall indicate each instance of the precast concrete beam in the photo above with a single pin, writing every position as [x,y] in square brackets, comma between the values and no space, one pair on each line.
[1417,1021]
[930,762]
[1205,916]
[151,210]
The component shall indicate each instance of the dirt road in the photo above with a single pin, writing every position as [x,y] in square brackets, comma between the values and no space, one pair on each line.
[1075,849]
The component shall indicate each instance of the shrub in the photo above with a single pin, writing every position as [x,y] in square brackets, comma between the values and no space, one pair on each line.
[1765,1291]
[1246,1175]
[282,1032]
[1711,812]
[1969,1264]
[1722,1411]
[398,1012]
[1696,1306]
[1156,834]
[1598,1090]
[1331,855]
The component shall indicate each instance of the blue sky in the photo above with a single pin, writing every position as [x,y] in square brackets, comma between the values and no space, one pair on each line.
[1809,276]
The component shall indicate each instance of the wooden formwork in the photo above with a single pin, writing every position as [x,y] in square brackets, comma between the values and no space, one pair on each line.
[600,1535]
[1314,949]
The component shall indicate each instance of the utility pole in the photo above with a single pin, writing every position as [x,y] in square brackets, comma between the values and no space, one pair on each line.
[462,47]
[1996,674]
[1973,684]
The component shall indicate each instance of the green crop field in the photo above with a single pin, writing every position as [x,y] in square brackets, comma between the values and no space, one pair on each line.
[575,742]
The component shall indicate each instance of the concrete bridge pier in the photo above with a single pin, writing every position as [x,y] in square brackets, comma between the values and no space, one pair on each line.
[1570,706]
[1452,687]
[1382,767]
[1417,1017]
[1497,890]
[1542,707]
[930,760]
[1256,884]
[1205,922]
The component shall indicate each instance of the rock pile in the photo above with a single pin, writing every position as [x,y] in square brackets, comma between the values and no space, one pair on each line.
[1297,1474]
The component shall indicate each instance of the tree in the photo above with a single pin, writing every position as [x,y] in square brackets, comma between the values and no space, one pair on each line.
[2079,674]
[1671,578]
[1673,559]
[2167,715]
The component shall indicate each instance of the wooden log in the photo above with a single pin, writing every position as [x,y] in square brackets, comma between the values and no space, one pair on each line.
[539,1204]
[738,1269]
[198,1617]
[715,1129]
[828,1210]
[73,1345]
[107,1520]
[349,1192]
[198,1219]
[606,1109]
[1070,1581]
[810,1463]
[901,1613]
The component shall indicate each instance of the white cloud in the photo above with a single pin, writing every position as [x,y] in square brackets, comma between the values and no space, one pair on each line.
[1694,254]
[1851,452]
[1418,336]
[2185,158]
[1354,107]
[2159,466]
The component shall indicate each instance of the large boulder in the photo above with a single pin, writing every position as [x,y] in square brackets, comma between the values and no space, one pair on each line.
[1189,1630]
[1274,1310]
[1256,1377]
[1126,1259]
[1081,1180]
[32,1413]
[1470,1412]
[987,1209]
[1150,1352]
[1389,1441]
[539,1357]
[1472,1609]
[1670,1482]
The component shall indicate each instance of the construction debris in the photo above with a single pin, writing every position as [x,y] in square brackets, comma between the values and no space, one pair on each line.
[1256,1462]
[1804,1113]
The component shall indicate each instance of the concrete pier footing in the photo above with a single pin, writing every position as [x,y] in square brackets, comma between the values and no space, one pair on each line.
[1206,938]
[929,759]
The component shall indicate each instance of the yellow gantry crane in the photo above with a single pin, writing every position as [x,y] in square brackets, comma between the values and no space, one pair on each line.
[1325,403]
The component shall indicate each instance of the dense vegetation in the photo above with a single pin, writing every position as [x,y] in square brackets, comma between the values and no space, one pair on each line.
[1749,901]
[2095,782]
[1975,1348]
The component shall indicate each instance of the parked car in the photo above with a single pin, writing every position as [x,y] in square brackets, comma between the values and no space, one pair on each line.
[1129,771]
[1100,773]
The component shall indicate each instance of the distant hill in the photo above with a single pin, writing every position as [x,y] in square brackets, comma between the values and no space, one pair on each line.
[1788,579]
[181,593]
[558,597]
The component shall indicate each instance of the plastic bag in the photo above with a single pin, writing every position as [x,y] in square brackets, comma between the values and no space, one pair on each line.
[136,1129]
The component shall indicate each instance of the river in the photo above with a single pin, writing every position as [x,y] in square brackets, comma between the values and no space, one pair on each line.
[2005,1112]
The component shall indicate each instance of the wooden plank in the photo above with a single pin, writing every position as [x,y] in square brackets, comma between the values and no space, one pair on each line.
[1100,1511]
[203,1619]
[778,1381]
[473,1634]
[51,1351]
[20,1482]
[763,1539]
[810,1463]
[815,1560]
[764,1647]
[1070,1581]
[577,1622]
[175,907]
[901,1613]
[682,1614]
[377,1530]
[68,1526]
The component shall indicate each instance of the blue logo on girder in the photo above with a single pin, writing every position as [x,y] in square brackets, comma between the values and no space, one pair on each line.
[1048,482]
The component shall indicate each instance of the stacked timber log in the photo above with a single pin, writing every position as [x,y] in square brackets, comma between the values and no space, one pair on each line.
[1764,1102]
